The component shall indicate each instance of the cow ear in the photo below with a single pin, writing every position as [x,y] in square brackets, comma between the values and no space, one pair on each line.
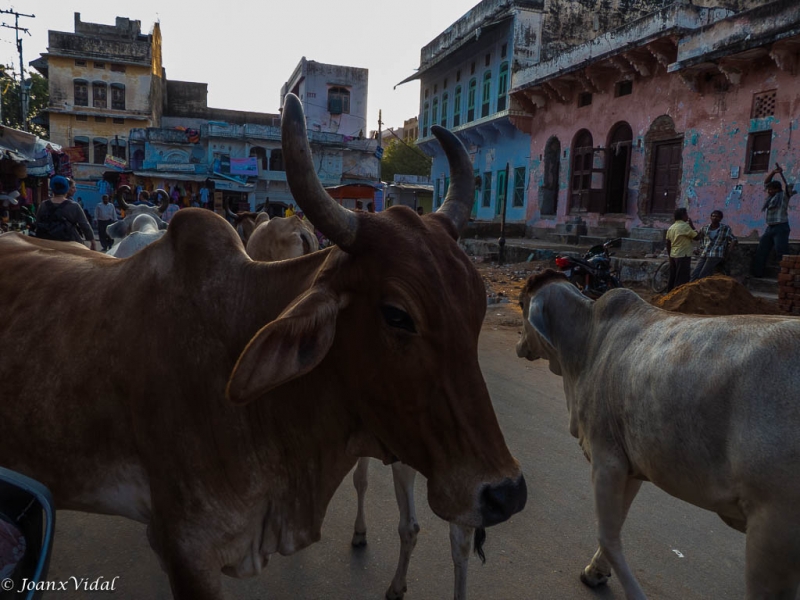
[537,320]
[291,346]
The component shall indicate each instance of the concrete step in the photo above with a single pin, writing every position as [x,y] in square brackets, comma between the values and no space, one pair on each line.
[762,285]
[766,296]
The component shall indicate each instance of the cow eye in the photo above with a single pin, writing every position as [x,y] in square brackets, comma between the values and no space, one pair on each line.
[395,317]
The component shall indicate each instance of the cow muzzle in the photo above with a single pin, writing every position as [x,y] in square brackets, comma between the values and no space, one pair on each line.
[498,502]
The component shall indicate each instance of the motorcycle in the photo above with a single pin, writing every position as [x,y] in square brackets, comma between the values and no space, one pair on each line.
[592,274]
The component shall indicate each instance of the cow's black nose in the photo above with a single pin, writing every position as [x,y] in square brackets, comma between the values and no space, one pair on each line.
[499,502]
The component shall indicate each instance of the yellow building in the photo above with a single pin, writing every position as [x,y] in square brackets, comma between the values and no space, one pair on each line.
[104,80]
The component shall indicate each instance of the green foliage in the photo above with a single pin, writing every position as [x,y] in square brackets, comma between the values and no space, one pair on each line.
[402,159]
[38,99]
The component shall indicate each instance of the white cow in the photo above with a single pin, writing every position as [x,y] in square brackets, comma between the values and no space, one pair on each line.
[124,227]
[706,408]
[144,231]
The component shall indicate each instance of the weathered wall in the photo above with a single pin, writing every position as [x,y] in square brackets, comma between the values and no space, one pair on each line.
[714,125]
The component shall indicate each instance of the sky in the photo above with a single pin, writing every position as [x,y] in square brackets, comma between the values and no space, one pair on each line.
[246,49]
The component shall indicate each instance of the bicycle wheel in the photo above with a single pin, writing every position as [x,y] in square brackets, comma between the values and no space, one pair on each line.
[660,279]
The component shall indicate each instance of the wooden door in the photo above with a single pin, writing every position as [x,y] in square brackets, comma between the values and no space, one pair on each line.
[666,177]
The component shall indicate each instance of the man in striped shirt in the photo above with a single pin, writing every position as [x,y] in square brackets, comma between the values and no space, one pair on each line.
[718,240]
[777,217]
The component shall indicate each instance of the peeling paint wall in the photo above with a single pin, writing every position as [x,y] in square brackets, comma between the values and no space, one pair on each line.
[715,124]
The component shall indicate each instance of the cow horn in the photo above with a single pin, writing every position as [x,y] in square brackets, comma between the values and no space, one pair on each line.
[164,199]
[337,223]
[121,191]
[230,214]
[461,194]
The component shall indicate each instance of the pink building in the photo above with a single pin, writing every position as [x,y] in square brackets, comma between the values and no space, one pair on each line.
[688,106]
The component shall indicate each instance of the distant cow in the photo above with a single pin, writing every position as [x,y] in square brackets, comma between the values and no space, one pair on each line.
[704,407]
[245,222]
[281,238]
[124,227]
[231,448]
[144,231]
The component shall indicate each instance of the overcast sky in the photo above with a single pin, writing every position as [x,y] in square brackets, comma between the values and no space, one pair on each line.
[246,49]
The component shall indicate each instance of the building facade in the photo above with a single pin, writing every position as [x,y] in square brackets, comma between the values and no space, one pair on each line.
[103,81]
[685,106]
[465,76]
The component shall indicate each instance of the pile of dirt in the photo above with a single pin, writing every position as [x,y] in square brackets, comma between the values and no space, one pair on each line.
[716,295]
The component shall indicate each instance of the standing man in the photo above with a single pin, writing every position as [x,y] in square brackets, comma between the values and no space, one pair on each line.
[60,218]
[679,248]
[204,197]
[718,241]
[777,218]
[105,214]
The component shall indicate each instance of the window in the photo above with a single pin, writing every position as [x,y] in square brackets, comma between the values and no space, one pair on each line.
[487,93]
[99,119]
[623,88]
[100,146]
[519,187]
[81,90]
[82,144]
[99,92]
[584,99]
[117,96]
[446,186]
[276,160]
[445,99]
[437,196]
[759,145]
[763,105]
[502,87]
[503,50]
[457,107]
[338,101]
[118,68]
[487,189]
[99,65]
[425,120]
[80,63]
[435,112]
[118,148]
[118,121]
[81,118]
[471,90]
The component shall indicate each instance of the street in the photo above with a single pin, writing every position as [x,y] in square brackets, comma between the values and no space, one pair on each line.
[676,550]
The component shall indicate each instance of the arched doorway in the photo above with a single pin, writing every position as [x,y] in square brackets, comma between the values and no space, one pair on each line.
[581,175]
[664,165]
[619,164]
[548,193]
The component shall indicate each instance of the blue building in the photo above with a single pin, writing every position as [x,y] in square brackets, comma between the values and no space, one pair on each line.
[465,76]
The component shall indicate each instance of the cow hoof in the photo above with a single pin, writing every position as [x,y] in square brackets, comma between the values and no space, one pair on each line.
[592,578]
[359,539]
[392,594]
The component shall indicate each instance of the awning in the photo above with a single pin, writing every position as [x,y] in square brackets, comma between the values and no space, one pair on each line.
[168,175]
[17,145]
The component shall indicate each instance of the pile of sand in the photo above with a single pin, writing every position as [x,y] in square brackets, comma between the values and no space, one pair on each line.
[716,295]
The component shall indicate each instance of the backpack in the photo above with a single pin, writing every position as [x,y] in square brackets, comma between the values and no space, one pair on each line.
[53,224]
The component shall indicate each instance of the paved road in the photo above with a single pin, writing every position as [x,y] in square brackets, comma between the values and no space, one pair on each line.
[677,551]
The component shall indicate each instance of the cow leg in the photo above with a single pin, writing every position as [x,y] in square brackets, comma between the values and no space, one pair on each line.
[360,481]
[460,545]
[610,481]
[772,554]
[599,570]
[407,528]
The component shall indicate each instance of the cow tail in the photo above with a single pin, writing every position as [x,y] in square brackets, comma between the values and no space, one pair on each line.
[480,539]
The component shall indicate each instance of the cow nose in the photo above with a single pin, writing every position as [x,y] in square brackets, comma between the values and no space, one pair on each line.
[499,502]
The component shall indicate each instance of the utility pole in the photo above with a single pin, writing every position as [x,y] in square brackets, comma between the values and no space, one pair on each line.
[23,91]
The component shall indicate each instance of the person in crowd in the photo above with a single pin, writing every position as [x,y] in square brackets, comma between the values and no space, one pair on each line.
[143,199]
[420,211]
[61,219]
[718,240]
[105,214]
[371,207]
[289,211]
[171,210]
[777,232]
[679,247]
[204,194]
[359,206]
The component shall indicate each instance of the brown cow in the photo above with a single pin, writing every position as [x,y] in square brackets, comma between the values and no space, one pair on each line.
[232,448]
[280,238]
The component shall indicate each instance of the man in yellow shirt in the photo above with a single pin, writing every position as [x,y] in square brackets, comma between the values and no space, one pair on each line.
[679,248]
